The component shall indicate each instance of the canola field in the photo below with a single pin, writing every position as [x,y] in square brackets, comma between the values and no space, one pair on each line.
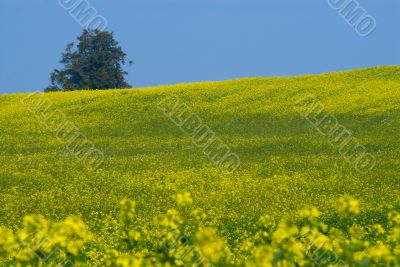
[157,199]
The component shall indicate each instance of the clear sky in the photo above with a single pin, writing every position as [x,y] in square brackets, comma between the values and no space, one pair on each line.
[175,41]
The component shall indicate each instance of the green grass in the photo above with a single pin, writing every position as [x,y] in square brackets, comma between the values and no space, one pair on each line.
[285,163]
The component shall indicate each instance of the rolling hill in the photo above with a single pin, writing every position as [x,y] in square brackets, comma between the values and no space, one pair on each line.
[283,162]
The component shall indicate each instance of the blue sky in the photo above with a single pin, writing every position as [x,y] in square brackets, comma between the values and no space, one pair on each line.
[175,41]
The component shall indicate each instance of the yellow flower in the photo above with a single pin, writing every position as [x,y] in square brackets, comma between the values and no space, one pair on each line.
[127,210]
[266,222]
[184,199]
[377,229]
[134,235]
[349,205]
[379,252]
[394,217]
[284,232]
[210,245]
[309,213]
[7,241]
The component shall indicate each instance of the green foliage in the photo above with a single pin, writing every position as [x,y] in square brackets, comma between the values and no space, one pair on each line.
[96,63]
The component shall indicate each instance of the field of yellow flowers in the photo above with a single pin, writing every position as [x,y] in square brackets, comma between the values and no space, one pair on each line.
[156,199]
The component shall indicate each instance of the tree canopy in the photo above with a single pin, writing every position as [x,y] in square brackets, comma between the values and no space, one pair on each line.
[94,63]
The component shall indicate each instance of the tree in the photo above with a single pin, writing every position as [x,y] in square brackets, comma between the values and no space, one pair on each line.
[95,63]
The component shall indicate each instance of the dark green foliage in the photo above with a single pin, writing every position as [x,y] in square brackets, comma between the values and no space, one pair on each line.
[95,63]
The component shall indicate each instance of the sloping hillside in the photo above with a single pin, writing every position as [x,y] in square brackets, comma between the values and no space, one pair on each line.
[285,163]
